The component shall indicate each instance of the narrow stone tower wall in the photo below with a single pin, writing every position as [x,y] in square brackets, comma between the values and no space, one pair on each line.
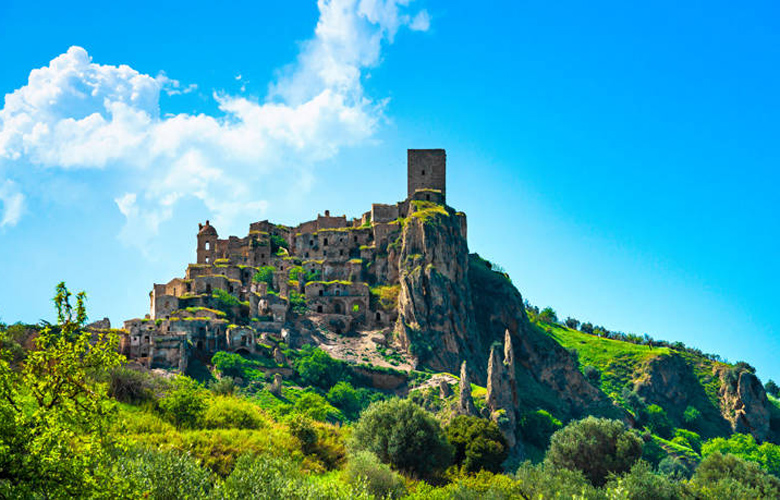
[427,169]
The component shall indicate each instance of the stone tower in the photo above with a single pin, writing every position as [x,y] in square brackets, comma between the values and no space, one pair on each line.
[207,242]
[426,170]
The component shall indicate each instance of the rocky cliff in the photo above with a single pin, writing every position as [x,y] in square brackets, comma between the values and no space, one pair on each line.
[453,307]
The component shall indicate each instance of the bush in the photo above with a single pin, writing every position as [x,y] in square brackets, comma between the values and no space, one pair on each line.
[164,475]
[744,446]
[658,421]
[346,398]
[232,413]
[674,468]
[316,368]
[548,315]
[236,366]
[772,388]
[314,406]
[642,483]
[689,438]
[184,405]
[595,446]
[727,476]
[478,443]
[224,386]
[265,274]
[381,481]
[261,477]
[691,417]
[537,427]
[130,386]
[542,481]
[403,435]
[303,430]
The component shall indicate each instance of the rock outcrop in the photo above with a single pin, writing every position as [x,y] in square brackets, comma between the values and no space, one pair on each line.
[465,401]
[744,403]
[502,389]
[435,318]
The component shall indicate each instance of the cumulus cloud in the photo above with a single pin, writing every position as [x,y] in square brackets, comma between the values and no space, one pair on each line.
[78,114]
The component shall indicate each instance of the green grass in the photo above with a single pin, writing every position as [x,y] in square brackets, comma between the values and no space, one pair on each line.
[619,362]
[428,212]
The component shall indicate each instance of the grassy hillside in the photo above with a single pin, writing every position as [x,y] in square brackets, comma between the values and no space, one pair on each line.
[618,367]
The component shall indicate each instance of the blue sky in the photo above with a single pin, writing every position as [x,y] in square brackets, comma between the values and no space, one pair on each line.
[619,160]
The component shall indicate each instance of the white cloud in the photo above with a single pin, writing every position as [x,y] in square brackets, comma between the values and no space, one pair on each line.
[12,203]
[77,114]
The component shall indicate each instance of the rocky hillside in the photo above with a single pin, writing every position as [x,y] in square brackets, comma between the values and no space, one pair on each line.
[453,307]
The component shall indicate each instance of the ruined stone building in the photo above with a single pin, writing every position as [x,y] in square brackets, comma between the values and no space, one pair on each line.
[331,272]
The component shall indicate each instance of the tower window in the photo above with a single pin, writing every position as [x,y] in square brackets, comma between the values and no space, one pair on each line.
[423,172]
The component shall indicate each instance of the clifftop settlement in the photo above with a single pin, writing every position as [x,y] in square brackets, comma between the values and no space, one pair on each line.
[330,272]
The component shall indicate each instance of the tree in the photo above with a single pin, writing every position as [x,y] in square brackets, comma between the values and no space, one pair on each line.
[595,446]
[316,368]
[478,443]
[744,446]
[185,404]
[344,397]
[55,413]
[548,315]
[772,388]
[586,327]
[402,434]
[691,417]
[537,427]
[658,421]
[572,323]
[728,476]
[265,274]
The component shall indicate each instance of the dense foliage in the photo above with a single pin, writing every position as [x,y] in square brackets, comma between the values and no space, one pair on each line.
[76,422]
[478,443]
[404,436]
[595,446]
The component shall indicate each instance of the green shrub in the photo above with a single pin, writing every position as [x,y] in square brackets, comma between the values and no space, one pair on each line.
[298,302]
[364,467]
[295,273]
[231,413]
[235,365]
[184,404]
[772,388]
[130,386]
[478,443]
[543,481]
[164,475]
[225,300]
[315,367]
[744,446]
[403,435]
[595,446]
[344,397]
[314,406]
[536,428]
[224,386]
[674,468]
[548,315]
[303,430]
[691,417]
[659,422]
[641,483]
[727,476]
[689,439]
[265,274]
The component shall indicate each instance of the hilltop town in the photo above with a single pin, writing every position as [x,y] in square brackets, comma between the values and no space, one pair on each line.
[328,275]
